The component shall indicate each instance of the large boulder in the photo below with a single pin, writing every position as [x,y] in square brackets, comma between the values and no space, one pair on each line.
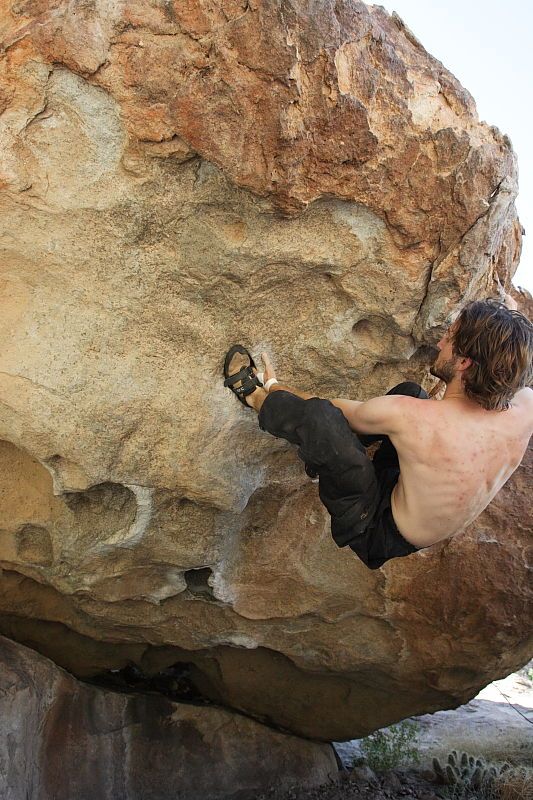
[176,177]
[64,740]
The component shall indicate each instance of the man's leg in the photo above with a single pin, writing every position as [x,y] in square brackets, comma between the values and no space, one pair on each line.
[347,484]
[385,541]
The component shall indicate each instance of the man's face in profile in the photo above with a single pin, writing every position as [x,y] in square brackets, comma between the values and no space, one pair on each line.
[445,365]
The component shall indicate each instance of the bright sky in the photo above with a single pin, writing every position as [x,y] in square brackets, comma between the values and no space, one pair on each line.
[486,44]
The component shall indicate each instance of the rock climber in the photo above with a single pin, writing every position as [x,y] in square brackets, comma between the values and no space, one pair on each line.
[440,462]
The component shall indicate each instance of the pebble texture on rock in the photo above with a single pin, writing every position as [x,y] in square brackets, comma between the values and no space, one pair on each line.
[176,177]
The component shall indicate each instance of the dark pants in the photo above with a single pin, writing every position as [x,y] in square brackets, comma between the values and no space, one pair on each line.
[355,490]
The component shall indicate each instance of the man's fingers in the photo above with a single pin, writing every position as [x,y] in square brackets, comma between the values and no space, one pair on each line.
[269,369]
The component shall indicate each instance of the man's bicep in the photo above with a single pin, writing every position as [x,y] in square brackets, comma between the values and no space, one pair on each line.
[379,415]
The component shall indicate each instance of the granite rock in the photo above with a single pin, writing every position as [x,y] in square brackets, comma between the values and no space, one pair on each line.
[179,176]
[63,739]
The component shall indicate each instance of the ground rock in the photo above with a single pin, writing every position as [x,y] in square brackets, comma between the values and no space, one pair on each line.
[363,774]
[62,739]
[392,782]
[175,178]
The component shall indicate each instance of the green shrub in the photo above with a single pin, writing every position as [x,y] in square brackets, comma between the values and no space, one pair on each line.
[392,747]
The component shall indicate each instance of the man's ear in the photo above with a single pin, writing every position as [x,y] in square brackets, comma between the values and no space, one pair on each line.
[463,362]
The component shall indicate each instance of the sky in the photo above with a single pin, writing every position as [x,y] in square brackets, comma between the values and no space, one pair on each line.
[487,46]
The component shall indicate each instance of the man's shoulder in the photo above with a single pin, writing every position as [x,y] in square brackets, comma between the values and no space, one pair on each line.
[523,404]
[399,403]
[526,393]
[524,398]
[409,412]
[411,405]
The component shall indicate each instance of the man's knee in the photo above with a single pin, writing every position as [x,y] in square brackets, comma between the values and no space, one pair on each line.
[281,414]
[327,438]
[410,389]
[314,424]
[324,418]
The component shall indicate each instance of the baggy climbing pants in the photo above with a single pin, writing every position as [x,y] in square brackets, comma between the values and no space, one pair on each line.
[355,490]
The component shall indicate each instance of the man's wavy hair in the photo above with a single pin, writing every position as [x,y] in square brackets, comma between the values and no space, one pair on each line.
[500,343]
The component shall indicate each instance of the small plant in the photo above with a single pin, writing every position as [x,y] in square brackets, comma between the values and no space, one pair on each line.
[470,776]
[389,748]
[515,784]
[464,792]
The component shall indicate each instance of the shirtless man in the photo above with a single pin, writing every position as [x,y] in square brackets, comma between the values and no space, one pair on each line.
[440,462]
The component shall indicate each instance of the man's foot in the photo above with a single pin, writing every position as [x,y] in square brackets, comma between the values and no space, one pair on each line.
[241,377]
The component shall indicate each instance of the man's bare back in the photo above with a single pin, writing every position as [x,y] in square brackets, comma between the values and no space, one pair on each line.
[454,457]
[454,454]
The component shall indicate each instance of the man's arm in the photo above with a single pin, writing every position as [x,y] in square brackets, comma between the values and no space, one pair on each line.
[379,415]
[283,387]
[270,373]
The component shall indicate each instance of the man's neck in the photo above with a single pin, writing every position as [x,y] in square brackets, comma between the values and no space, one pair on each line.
[455,389]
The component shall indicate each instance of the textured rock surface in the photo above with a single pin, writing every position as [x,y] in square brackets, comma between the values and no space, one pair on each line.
[62,739]
[175,177]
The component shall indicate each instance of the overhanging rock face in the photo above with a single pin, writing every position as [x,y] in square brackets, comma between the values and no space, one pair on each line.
[62,739]
[178,177]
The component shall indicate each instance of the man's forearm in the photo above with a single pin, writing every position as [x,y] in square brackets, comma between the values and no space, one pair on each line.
[344,405]
[282,387]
